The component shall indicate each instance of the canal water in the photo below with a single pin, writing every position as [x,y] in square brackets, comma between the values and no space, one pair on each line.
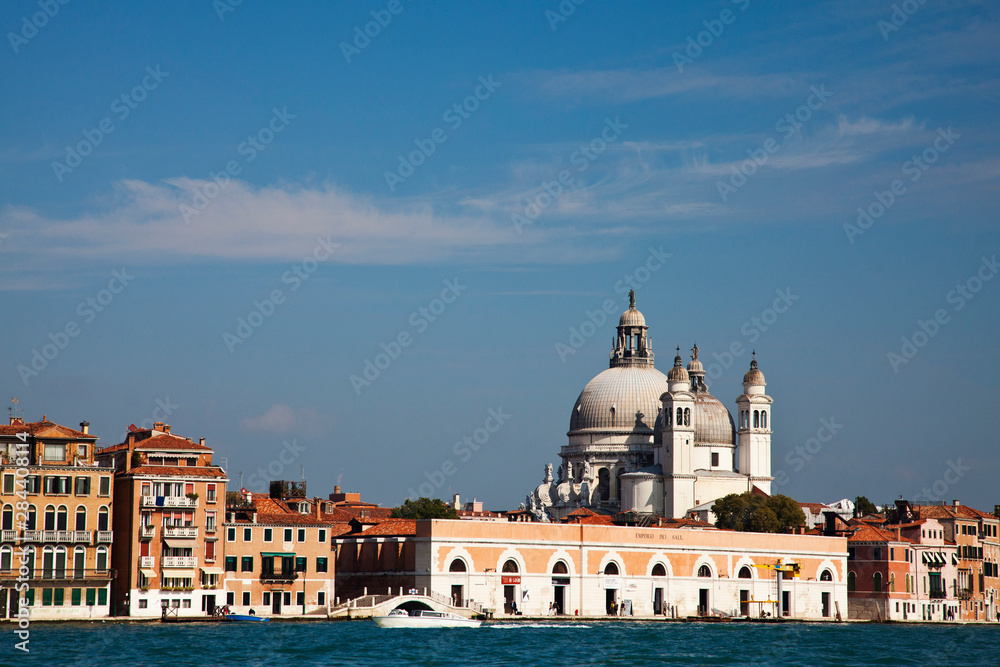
[503,643]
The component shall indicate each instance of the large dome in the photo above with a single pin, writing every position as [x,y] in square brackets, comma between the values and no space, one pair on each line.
[614,399]
[712,421]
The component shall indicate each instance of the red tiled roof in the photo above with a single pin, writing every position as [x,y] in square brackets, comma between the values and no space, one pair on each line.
[392,528]
[185,471]
[168,441]
[582,511]
[45,429]
[867,533]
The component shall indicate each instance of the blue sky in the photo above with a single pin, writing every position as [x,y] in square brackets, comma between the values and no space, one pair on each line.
[518,166]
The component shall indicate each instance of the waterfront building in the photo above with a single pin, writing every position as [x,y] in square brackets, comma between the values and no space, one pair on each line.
[650,443]
[277,551]
[56,504]
[593,569]
[169,500]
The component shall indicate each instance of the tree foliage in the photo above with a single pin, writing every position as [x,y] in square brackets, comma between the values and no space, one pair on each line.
[425,508]
[757,514]
[863,506]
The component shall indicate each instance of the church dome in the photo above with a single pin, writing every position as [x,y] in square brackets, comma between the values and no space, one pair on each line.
[632,318]
[677,373]
[753,376]
[712,421]
[622,398]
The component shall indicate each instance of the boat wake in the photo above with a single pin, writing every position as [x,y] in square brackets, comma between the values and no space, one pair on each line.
[508,626]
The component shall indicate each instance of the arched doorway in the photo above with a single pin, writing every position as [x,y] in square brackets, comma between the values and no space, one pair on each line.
[511,581]
[458,574]
[611,586]
[704,603]
[744,573]
[560,584]
[659,574]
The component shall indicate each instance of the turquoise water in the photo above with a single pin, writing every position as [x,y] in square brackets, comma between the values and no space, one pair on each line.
[542,644]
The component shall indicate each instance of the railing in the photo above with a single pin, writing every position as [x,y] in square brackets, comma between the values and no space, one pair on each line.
[147,561]
[81,536]
[54,574]
[105,537]
[147,532]
[61,535]
[32,536]
[171,531]
[8,536]
[179,561]
[965,593]
[939,595]
[169,501]
[278,576]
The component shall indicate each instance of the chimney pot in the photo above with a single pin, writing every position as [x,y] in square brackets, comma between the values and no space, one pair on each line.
[85,427]
[955,503]
[336,489]
[201,441]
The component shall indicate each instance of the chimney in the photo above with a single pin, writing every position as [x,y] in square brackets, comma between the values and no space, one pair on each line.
[316,508]
[201,441]
[157,426]
[898,534]
[456,502]
[85,427]
[955,503]
[166,428]
[336,490]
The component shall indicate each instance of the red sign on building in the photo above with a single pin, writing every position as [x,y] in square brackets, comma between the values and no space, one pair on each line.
[506,579]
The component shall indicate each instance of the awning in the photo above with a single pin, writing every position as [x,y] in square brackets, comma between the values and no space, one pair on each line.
[925,557]
[179,543]
[954,559]
[279,554]
[213,570]
[146,572]
[941,559]
[178,573]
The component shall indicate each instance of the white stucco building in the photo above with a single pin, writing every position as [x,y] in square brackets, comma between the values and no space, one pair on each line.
[657,444]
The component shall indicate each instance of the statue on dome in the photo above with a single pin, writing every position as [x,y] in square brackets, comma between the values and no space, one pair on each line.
[631,298]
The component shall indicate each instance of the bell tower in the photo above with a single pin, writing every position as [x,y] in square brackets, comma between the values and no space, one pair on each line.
[678,442]
[754,428]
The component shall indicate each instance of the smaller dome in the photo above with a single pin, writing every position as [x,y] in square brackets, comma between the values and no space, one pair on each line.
[694,366]
[677,373]
[632,318]
[753,376]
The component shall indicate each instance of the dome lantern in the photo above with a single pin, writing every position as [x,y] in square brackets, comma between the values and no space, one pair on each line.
[632,346]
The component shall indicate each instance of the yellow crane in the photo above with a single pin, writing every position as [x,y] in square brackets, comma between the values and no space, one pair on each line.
[781,569]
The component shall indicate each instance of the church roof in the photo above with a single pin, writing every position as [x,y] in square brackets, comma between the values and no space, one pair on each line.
[624,398]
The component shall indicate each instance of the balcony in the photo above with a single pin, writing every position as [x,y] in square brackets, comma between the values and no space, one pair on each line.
[278,576]
[32,536]
[61,535]
[8,536]
[147,561]
[147,532]
[60,575]
[105,537]
[169,501]
[81,536]
[175,531]
[939,595]
[179,561]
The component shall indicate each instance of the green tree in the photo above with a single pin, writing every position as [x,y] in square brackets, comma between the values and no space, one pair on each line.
[424,508]
[863,506]
[757,514]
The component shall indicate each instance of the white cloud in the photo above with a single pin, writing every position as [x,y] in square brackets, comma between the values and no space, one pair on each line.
[865,125]
[282,420]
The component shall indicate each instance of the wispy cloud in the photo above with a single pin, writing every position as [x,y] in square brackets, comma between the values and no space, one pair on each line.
[283,420]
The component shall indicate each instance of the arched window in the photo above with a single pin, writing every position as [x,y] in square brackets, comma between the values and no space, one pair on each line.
[877,582]
[745,573]
[50,517]
[102,519]
[7,523]
[60,562]
[611,568]
[687,416]
[756,418]
[603,484]
[826,576]
[32,518]
[48,562]
[560,568]
[704,571]
[892,582]
[79,562]
[6,559]
[763,419]
[510,566]
[907,580]
[81,518]
[659,570]
[851,581]
[102,558]
[62,515]
[458,565]
[680,416]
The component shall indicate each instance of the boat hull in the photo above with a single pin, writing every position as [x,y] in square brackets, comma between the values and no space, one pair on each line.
[418,622]
[246,618]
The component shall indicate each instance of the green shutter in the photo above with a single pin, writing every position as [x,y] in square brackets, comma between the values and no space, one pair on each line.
[76,596]
[30,595]
[102,596]
[91,595]
[46,597]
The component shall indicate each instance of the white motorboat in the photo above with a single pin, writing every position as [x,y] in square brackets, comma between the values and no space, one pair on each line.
[421,618]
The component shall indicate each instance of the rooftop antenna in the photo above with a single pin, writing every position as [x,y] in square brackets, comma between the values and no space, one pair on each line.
[302,472]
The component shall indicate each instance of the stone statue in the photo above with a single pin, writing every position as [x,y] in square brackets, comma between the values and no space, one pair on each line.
[548,473]
[631,298]
[694,351]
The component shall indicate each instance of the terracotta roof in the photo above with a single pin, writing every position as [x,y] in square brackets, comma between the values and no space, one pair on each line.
[867,533]
[582,511]
[168,441]
[185,471]
[952,512]
[111,449]
[46,429]
[392,527]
